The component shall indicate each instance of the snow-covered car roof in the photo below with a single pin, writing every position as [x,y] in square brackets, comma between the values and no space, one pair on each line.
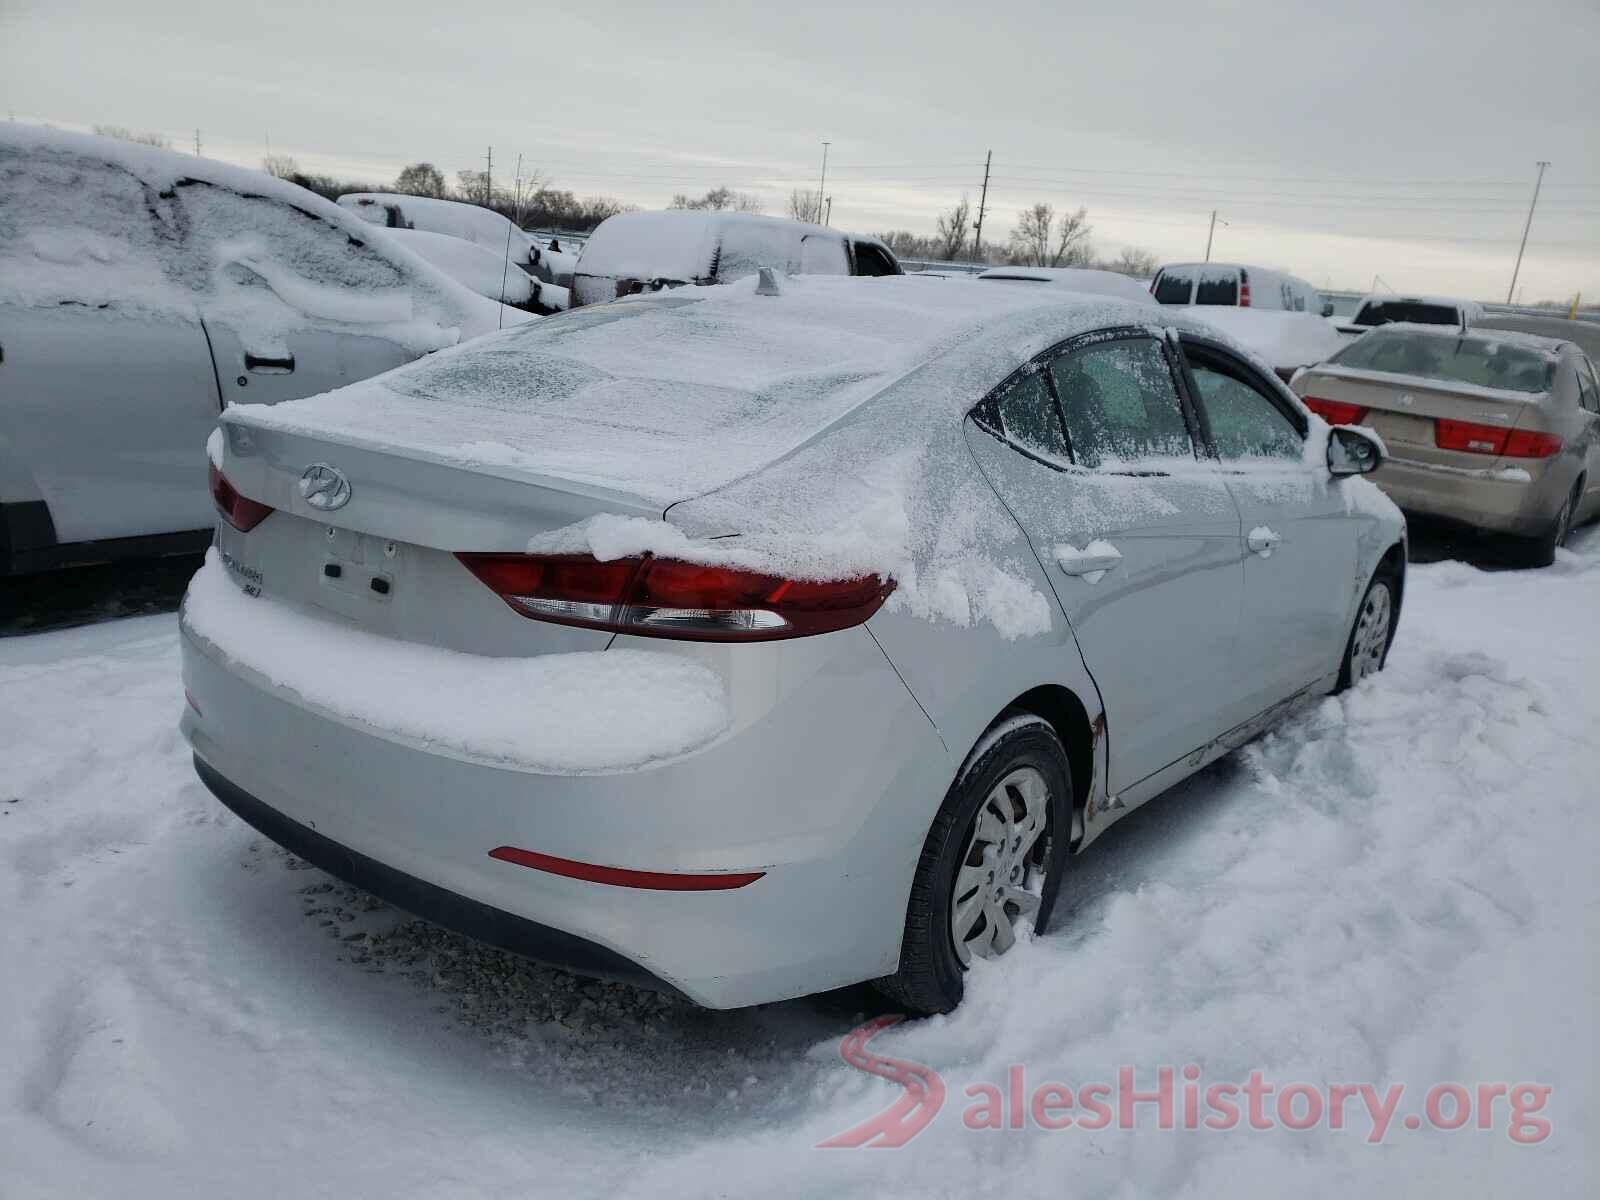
[1077,279]
[86,219]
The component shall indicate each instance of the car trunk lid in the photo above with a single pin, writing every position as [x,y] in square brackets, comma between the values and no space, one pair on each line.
[1406,411]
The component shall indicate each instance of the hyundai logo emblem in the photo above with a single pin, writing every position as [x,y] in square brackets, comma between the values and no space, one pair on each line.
[325,488]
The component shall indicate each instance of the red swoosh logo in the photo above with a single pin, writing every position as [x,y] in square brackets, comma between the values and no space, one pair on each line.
[909,1115]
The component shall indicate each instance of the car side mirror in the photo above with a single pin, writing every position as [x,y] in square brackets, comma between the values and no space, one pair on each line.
[1327,309]
[1353,451]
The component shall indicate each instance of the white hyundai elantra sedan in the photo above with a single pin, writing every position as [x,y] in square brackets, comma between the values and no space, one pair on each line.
[756,640]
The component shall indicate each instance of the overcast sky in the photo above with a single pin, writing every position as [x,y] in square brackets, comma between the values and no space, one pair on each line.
[1339,140]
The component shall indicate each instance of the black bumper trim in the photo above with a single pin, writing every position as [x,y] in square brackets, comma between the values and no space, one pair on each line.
[482,922]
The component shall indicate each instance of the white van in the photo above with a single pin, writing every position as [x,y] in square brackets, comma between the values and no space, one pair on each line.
[1235,286]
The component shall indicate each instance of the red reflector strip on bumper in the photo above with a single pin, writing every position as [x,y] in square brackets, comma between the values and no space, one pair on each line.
[660,881]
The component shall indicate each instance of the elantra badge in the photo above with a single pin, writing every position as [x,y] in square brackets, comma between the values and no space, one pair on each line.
[324,487]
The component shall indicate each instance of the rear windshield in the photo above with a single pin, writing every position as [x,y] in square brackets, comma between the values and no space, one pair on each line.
[1174,287]
[1478,360]
[1410,312]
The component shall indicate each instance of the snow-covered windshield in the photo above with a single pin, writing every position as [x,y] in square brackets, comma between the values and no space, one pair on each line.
[1474,359]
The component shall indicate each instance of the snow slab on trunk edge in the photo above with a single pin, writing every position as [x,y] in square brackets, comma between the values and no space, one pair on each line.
[607,710]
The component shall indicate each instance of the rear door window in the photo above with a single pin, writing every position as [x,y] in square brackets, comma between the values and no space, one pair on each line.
[1028,417]
[1120,404]
[1174,287]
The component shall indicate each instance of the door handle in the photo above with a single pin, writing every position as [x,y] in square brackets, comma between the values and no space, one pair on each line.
[263,365]
[1261,540]
[1091,563]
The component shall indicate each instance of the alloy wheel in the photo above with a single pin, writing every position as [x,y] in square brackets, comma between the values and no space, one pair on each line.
[1002,872]
[1372,633]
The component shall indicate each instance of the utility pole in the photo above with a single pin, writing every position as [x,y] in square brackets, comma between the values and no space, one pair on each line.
[488,178]
[828,216]
[983,200]
[1518,268]
[1210,233]
[822,185]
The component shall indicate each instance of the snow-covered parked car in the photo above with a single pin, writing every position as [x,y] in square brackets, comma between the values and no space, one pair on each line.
[637,252]
[1413,310]
[1235,285]
[1497,429]
[755,640]
[1075,279]
[141,291]
[490,273]
[452,218]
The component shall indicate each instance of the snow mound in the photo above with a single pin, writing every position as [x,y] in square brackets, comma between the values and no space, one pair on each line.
[608,710]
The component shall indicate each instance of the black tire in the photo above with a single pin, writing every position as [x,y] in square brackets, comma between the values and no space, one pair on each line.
[930,976]
[1541,550]
[1386,576]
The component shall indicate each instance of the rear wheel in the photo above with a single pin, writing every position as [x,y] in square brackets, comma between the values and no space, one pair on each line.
[1542,549]
[1368,647]
[984,863]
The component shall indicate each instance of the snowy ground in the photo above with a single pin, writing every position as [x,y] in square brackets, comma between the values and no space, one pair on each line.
[1396,887]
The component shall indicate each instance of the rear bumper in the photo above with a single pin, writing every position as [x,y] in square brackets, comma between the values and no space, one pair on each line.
[827,784]
[1520,500]
[493,926]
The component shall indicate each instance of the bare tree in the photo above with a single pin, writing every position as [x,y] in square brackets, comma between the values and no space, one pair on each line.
[1135,261]
[806,205]
[280,165]
[421,179]
[952,231]
[123,133]
[1072,247]
[1030,239]
[598,208]
[1039,241]
[722,199]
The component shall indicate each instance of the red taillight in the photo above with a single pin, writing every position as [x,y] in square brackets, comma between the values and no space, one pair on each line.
[1334,412]
[1468,437]
[1525,443]
[660,597]
[656,881]
[239,511]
